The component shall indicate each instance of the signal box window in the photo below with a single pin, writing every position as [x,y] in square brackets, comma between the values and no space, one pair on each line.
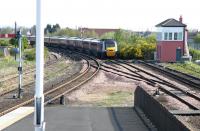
[170,36]
[166,36]
[180,36]
[175,36]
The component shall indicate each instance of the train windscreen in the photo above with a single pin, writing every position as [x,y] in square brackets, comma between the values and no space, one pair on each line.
[109,43]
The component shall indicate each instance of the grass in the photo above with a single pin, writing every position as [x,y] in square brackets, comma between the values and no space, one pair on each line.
[58,66]
[188,68]
[115,99]
[8,65]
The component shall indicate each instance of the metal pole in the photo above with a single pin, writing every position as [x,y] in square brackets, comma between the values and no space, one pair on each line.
[20,64]
[15,34]
[39,96]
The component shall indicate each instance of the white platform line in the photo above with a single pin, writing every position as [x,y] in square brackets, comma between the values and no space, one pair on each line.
[14,116]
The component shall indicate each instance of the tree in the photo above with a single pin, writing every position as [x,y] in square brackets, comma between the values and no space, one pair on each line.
[6,30]
[197,38]
[13,42]
[118,36]
[55,28]
[33,30]
[50,29]
[151,39]
[24,42]
[109,35]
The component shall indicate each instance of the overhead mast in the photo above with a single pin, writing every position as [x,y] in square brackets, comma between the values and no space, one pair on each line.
[39,96]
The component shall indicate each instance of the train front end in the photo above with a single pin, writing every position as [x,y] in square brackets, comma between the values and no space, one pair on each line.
[111,48]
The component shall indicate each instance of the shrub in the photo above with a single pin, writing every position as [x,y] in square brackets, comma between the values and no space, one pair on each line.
[1,54]
[30,54]
[13,41]
[25,42]
[132,46]
[195,54]
[4,43]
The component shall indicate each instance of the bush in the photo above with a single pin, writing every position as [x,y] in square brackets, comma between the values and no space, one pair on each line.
[1,54]
[30,54]
[195,54]
[132,46]
[139,50]
[25,42]
[4,43]
[13,42]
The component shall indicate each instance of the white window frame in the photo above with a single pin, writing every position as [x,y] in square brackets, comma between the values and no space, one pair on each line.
[176,36]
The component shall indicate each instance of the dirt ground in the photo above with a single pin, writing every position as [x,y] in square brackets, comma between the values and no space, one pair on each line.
[104,90]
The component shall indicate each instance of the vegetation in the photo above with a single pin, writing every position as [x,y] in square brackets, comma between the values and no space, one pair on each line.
[30,54]
[6,30]
[7,62]
[195,54]
[1,54]
[66,32]
[51,28]
[197,38]
[132,46]
[188,68]
[13,42]
[115,99]
[4,42]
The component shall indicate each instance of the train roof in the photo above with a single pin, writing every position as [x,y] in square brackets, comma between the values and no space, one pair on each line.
[91,40]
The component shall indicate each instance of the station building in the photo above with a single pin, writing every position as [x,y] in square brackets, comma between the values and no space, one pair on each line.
[171,40]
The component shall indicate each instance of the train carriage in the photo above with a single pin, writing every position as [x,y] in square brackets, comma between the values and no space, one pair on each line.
[96,47]
[86,45]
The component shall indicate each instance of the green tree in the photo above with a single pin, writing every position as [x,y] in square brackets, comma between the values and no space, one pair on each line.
[92,34]
[109,35]
[197,38]
[48,29]
[118,36]
[4,43]
[33,30]
[25,42]
[151,39]
[6,30]
[13,41]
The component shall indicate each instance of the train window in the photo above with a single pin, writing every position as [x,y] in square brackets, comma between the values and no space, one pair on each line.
[109,43]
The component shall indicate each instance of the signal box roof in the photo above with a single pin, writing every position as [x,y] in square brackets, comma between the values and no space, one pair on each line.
[171,23]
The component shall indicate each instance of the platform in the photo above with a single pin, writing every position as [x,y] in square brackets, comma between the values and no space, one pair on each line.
[63,118]
[14,116]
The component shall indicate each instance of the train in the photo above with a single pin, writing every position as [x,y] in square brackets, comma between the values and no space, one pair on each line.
[101,48]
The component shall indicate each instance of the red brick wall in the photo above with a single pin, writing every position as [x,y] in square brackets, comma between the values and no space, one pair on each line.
[167,50]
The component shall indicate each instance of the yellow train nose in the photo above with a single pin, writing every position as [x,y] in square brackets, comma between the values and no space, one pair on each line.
[110,52]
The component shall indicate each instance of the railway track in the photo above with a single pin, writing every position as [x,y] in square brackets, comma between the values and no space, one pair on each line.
[189,80]
[28,70]
[56,90]
[26,75]
[167,87]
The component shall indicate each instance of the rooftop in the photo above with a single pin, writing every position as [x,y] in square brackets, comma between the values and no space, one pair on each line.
[171,23]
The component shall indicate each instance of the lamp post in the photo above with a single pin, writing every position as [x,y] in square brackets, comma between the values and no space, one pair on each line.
[39,96]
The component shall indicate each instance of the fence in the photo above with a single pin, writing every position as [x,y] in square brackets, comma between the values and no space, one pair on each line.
[194,45]
[159,115]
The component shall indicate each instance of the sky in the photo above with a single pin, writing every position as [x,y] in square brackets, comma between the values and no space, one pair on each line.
[137,15]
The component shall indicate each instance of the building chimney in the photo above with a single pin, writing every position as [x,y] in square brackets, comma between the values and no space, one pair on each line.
[181,19]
